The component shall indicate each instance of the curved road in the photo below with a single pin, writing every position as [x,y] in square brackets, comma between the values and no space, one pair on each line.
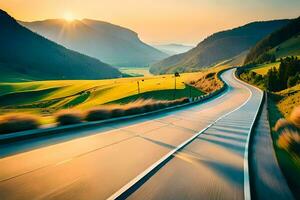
[102,162]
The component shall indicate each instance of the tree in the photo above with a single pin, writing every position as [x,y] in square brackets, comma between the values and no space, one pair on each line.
[272,80]
[289,67]
[293,80]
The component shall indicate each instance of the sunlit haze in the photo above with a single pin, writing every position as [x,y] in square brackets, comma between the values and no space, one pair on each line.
[156,21]
[68,16]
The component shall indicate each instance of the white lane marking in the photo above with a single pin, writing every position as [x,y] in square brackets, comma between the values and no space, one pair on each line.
[156,164]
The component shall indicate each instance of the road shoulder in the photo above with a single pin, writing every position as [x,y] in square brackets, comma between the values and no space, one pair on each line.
[266,180]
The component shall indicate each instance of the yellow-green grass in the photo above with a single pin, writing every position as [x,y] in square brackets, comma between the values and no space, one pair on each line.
[264,68]
[290,99]
[289,164]
[207,83]
[169,94]
[47,97]
[136,71]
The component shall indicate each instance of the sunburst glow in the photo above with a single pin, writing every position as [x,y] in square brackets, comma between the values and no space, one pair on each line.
[69,17]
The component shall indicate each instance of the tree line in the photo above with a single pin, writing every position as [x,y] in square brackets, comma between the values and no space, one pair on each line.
[286,76]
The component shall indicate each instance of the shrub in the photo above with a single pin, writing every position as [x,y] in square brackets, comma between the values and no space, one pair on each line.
[295,116]
[117,112]
[137,107]
[293,80]
[289,140]
[210,75]
[149,107]
[133,110]
[174,103]
[67,117]
[185,100]
[99,113]
[158,105]
[15,122]
[281,124]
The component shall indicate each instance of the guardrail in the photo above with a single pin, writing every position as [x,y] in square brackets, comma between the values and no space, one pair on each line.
[247,178]
[36,133]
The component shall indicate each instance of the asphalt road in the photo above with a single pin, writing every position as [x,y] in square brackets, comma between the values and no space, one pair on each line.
[213,165]
[95,163]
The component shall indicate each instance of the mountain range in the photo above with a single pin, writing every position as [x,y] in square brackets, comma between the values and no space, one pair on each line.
[27,55]
[172,49]
[218,47]
[107,42]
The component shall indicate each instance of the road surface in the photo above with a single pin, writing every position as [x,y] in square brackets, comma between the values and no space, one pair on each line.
[213,165]
[96,163]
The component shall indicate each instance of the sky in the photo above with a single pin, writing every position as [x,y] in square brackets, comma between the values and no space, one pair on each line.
[159,21]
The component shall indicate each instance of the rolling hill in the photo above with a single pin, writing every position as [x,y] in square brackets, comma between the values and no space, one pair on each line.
[289,32]
[107,42]
[217,47]
[26,55]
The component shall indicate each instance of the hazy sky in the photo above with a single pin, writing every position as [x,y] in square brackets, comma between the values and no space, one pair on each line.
[159,21]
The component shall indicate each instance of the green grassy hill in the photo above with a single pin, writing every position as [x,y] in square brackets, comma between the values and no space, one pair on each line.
[263,47]
[50,96]
[289,98]
[218,47]
[263,69]
[25,55]
[290,47]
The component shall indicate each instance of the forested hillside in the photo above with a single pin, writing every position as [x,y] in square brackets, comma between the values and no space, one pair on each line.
[218,47]
[259,53]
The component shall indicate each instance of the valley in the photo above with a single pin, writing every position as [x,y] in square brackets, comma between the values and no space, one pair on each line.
[90,110]
[47,97]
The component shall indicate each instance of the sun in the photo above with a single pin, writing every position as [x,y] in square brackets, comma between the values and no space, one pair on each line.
[69,17]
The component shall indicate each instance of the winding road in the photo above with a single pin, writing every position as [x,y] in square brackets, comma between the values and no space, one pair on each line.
[198,151]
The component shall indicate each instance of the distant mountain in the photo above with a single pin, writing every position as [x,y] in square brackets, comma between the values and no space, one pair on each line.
[110,43]
[263,47]
[26,54]
[217,47]
[172,49]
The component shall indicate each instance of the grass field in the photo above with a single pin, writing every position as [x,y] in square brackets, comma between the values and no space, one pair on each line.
[46,97]
[289,99]
[264,68]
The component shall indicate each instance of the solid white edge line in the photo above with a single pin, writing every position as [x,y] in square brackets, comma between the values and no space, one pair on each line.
[153,166]
[247,192]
